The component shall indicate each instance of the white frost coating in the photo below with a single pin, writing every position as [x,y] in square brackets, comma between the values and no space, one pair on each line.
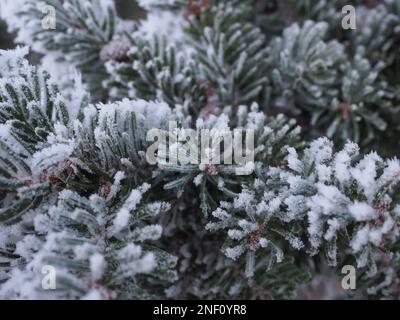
[148,4]
[97,266]
[324,172]
[321,150]
[360,239]
[293,161]
[342,161]
[93,295]
[198,179]
[152,232]
[69,80]
[391,173]
[365,174]
[12,61]
[319,191]
[296,205]
[132,253]
[236,234]
[334,226]
[219,213]
[295,242]
[51,156]
[122,218]
[7,137]
[327,199]
[153,114]
[8,10]
[163,23]
[118,177]
[244,200]
[85,251]
[247,226]
[235,252]
[28,246]
[362,211]
[156,208]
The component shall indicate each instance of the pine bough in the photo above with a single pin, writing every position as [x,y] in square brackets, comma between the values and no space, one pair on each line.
[77,193]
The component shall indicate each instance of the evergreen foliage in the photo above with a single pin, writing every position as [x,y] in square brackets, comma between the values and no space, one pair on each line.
[77,190]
